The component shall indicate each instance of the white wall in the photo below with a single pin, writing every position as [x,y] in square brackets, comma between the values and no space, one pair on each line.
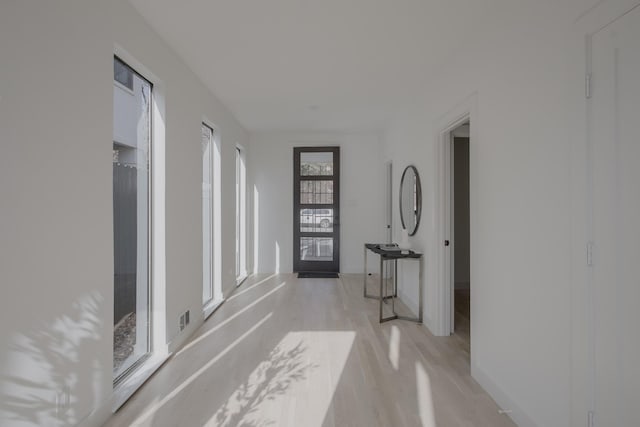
[519,69]
[56,256]
[361,196]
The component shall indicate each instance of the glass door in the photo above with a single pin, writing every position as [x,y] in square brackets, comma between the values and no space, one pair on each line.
[316,196]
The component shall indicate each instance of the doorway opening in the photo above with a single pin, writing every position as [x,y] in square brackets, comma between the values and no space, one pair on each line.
[460,279]
[316,209]
[457,123]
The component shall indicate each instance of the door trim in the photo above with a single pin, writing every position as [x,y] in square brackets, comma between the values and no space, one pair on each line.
[465,111]
[583,369]
[299,265]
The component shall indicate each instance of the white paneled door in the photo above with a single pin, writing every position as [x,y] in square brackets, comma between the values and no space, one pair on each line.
[615,192]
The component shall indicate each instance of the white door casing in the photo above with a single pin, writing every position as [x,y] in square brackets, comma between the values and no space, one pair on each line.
[614,140]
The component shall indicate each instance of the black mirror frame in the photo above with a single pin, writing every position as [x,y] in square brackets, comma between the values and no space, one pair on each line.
[418,199]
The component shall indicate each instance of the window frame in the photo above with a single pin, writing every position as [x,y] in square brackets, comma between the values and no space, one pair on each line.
[128,372]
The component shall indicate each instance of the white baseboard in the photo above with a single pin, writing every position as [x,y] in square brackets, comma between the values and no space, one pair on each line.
[103,411]
[211,307]
[124,390]
[502,399]
[183,337]
[98,416]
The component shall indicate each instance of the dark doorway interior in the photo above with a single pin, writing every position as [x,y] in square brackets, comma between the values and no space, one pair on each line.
[462,282]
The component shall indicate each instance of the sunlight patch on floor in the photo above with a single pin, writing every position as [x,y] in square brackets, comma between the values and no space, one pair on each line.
[394,347]
[294,385]
[425,400]
[229,319]
[151,411]
[255,285]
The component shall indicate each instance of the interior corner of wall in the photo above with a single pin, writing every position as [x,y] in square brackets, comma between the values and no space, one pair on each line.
[503,400]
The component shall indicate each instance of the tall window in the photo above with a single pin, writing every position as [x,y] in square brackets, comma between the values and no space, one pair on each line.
[211,225]
[240,216]
[207,214]
[131,217]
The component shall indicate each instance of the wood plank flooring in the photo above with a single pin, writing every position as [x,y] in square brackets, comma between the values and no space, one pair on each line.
[284,351]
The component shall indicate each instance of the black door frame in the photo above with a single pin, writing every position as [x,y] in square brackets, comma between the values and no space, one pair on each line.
[317,266]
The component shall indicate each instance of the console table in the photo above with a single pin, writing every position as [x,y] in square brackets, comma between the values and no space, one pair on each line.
[391,252]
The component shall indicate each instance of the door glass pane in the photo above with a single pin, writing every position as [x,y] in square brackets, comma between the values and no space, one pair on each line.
[316,220]
[316,192]
[131,157]
[316,164]
[316,249]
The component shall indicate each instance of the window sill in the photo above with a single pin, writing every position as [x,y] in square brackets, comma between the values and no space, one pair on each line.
[211,306]
[241,279]
[123,391]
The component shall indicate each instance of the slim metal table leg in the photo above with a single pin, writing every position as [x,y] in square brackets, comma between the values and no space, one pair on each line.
[365,271]
[394,290]
[381,294]
[395,278]
[420,290]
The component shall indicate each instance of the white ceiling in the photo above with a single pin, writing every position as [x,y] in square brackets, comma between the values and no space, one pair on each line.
[314,65]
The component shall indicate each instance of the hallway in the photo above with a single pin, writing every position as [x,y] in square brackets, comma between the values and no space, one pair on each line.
[309,352]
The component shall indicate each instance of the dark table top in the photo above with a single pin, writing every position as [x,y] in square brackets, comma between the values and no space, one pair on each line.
[391,253]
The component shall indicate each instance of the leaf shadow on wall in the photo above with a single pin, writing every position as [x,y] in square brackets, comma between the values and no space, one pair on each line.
[40,380]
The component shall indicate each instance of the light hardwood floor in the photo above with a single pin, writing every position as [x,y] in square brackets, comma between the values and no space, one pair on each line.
[284,351]
[462,319]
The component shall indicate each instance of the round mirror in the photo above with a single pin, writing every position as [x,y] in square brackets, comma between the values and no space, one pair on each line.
[410,200]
